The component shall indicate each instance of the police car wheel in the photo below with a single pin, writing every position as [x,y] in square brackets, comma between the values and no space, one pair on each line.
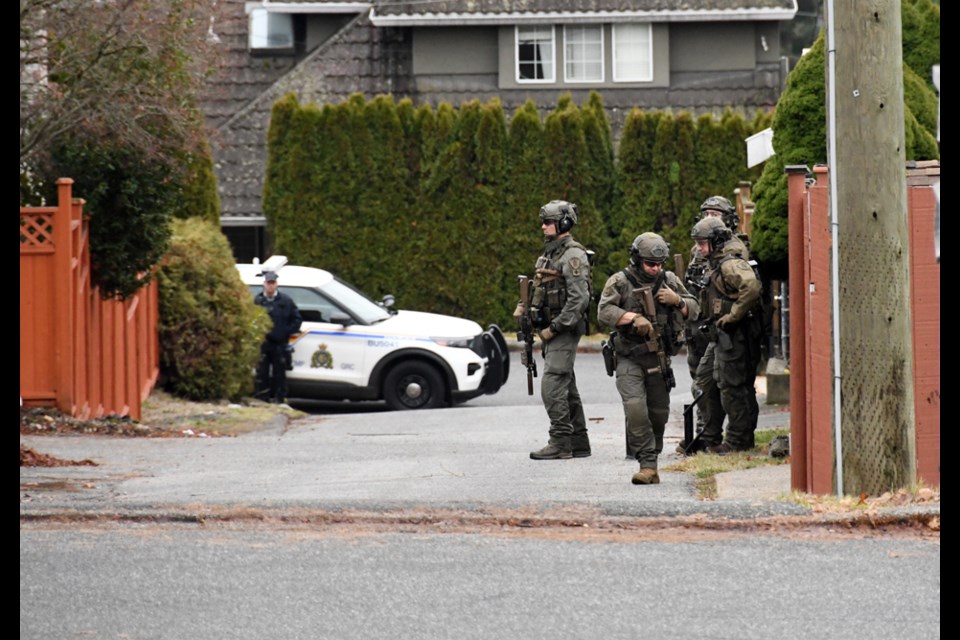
[413,385]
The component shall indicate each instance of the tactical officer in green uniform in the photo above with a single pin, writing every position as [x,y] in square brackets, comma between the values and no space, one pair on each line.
[558,309]
[696,340]
[730,308]
[647,307]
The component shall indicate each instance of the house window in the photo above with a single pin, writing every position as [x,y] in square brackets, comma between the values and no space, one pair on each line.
[632,53]
[270,30]
[583,53]
[535,54]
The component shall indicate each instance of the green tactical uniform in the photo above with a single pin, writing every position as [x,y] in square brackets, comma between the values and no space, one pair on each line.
[562,295]
[642,386]
[558,308]
[697,340]
[728,370]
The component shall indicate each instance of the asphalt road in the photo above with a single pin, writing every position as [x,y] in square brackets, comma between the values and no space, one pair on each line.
[146,581]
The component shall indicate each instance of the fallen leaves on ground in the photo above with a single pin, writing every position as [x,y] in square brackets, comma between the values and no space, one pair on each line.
[46,421]
[909,496]
[31,458]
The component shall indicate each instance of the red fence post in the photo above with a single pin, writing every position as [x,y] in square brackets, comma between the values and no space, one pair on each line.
[63,287]
[796,181]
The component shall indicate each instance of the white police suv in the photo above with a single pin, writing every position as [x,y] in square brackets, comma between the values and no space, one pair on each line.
[352,348]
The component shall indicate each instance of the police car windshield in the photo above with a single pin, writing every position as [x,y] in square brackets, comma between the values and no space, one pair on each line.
[362,307]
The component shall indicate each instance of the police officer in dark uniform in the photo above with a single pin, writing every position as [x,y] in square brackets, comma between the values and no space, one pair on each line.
[283,311]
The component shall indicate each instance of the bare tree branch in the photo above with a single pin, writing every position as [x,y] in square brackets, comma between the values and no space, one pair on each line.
[126,68]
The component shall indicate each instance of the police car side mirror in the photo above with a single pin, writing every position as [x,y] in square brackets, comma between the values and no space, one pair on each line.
[388,301]
[341,318]
[311,315]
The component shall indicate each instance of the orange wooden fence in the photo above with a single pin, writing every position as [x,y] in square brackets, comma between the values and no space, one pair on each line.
[811,357]
[87,356]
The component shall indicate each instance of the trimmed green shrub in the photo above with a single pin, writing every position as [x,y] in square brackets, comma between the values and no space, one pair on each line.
[200,198]
[566,170]
[524,192]
[462,208]
[601,174]
[678,219]
[921,100]
[279,195]
[635,180]
[210,329]
[920,22]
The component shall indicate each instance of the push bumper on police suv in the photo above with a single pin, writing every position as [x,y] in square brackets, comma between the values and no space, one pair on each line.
[493,346]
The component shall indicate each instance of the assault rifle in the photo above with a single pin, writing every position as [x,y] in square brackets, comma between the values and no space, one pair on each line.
[525,335]
[644,297]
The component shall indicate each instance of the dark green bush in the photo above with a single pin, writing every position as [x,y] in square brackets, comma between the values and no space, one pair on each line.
[921,37]
[210,329]
[799,124]
[130,198]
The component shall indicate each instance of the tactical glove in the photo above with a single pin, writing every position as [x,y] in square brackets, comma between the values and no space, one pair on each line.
[642,326]
[667,296]
[547,334]
[519,312]
[725,321]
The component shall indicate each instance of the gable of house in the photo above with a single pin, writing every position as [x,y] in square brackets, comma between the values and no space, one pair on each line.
[653,54]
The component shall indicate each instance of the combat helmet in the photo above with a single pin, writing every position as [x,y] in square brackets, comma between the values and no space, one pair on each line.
[713,230]
[728,212]
[562,212]
[648,246]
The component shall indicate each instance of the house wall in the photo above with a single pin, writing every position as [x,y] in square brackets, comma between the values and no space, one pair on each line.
[703,46]
[455,50]
[767,33]
[661,62]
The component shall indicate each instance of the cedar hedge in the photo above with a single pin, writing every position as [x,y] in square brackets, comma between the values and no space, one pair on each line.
[439,205]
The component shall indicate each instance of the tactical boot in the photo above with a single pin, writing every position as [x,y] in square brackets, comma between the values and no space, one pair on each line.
[646,476]
[725,448]
[553,451]
[580,446]
[692,450]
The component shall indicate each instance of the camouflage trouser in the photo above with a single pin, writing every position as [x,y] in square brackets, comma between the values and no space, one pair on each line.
[728,372]
[646,405]
[558,387]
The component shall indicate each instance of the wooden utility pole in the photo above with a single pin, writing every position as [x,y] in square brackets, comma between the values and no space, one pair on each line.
[875,344]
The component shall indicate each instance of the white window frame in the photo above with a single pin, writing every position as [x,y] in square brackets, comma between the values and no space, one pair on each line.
[263,20]
[643,76]
[568,59]
[553,55]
